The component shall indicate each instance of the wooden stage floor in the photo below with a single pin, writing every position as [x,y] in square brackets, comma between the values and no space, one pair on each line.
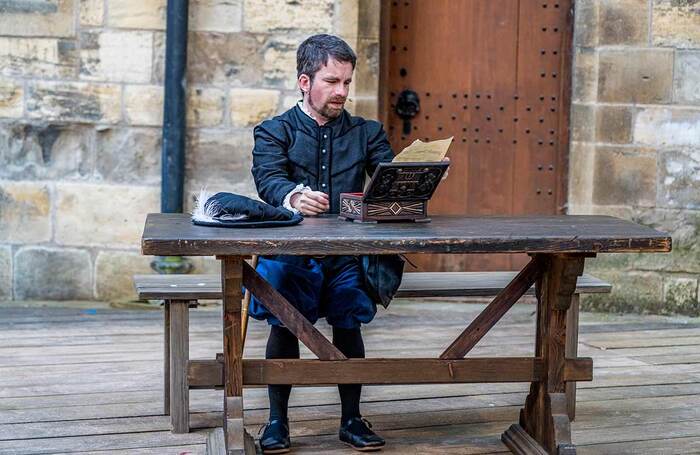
[89,381]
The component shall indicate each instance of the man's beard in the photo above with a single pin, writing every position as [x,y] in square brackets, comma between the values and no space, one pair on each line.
[326,110]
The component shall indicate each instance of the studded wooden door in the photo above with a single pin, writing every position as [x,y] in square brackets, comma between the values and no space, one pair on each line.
[495,74]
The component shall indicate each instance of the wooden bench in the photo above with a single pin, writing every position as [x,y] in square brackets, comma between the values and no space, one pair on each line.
[182,292]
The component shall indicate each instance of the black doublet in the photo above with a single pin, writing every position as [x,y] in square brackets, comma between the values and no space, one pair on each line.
[292,148]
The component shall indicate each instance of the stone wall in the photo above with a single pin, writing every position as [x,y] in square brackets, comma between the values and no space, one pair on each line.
[635,149]
[80,113]
[81,107]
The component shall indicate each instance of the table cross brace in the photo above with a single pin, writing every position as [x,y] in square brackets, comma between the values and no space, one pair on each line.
[290,316]
[496,309]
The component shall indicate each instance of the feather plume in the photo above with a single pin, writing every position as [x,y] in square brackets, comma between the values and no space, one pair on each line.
[204,210]
[200,211]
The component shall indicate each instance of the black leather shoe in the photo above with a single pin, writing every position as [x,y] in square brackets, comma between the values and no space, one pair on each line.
[275,438]
[356,433]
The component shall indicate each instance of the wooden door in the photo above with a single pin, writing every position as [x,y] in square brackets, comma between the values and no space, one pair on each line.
[495,74]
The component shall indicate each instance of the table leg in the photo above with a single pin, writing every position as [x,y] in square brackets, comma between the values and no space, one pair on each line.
[236,439]
[544,417]
[572,352]
[179,355]
[166,358]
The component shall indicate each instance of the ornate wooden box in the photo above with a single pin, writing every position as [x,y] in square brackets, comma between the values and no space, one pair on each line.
[396,192]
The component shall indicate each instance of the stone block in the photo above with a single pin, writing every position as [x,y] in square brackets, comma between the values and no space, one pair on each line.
[667,127]
[681,296]
[366,77]
[220,159]
[280,62]
[686,77]
[613,124]
[633,292]
[106,215]
[586,23]
[46,151]
[615,262]
[38,57]
[24,212]
[37,18]
[583,122]
[216,16]
[11,98]
[623,22]
[143,14]
[581,166]
[5,273]
[676,23]
[684,259]
[52,274]
[92,13]
[309,16]
[143,104]
[585,75]
[158,70]
[74,101]
[234,58]
[205,106]
[365,106]
[288,102]
[624,212]
[369,14]
[346,19]
[684,228]
[114,271]
[624,176]
[635,76]
[679,179]
[116,56]
[129,155]
[249,107]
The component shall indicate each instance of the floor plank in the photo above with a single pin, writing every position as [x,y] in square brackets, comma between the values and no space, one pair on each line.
[88,381]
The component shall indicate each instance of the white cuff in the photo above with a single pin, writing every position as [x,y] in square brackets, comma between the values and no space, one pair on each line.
[287,204]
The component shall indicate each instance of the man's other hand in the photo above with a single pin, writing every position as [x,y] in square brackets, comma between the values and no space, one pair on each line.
[310,202]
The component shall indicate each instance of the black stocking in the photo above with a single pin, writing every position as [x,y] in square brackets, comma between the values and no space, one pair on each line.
[281,344]
[349,342]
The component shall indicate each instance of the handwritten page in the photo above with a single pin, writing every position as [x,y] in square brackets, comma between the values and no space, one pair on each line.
[421,152]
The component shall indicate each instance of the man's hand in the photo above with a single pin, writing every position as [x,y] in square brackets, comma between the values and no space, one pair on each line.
[310,202]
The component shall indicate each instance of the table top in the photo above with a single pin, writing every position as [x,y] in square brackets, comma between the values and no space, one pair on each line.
[172,234]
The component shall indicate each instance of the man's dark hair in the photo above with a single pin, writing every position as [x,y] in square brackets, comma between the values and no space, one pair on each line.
[315,51]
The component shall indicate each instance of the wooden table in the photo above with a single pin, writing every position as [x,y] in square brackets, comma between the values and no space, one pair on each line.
[557,245]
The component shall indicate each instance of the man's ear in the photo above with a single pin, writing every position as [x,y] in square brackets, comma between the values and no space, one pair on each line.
[304,83]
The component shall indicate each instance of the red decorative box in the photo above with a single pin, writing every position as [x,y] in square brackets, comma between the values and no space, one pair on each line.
[396,192]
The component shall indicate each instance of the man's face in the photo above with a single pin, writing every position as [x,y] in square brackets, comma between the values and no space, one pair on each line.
[327,93]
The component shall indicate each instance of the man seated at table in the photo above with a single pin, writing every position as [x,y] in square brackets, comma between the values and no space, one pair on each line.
[302,160]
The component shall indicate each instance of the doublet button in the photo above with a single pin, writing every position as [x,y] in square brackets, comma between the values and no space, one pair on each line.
[323,167]
[323,151]
[323,185]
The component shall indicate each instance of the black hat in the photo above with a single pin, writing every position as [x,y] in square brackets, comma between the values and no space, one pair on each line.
[234,210]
